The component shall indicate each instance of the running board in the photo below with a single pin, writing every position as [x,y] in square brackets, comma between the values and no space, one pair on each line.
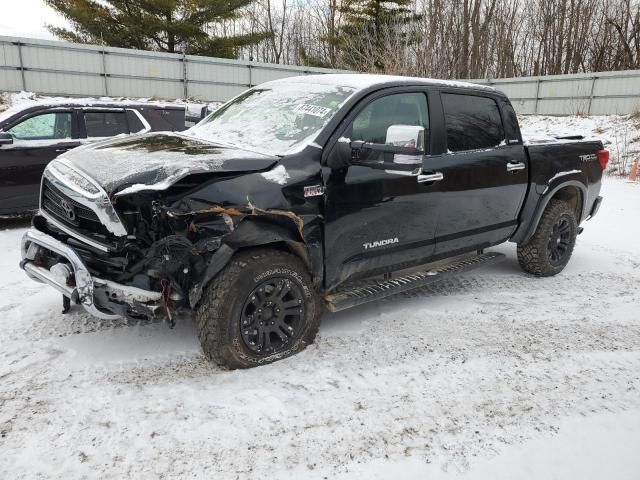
[364,293]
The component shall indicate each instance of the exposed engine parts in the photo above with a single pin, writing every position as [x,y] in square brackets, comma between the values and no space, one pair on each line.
[176,251]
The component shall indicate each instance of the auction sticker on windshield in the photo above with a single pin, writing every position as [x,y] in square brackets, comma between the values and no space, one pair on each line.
[315,110]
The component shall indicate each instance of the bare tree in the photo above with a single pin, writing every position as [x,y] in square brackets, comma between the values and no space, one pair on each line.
[451,38]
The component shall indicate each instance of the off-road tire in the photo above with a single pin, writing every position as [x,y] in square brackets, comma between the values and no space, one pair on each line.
[220,311]
[534,255]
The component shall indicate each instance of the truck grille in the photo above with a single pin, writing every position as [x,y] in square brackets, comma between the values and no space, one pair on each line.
[69,212]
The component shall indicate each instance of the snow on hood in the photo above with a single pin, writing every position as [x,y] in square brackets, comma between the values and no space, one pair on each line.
[155,161]
[278,175]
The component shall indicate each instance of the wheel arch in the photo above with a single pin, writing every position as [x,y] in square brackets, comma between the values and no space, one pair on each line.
[572,192]
[252,234]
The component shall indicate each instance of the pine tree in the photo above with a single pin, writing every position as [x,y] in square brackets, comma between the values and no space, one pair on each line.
[162,25]
[373,19]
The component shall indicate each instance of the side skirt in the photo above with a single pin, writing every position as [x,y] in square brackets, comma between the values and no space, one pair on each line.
[364,292]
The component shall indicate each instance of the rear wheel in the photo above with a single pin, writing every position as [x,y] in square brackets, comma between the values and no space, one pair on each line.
[260,308]
[549,250]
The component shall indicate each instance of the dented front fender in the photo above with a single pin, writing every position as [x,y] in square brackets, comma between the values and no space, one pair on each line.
[253,211]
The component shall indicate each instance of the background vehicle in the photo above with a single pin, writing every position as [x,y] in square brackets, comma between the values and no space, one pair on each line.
[303,194]
[31,137]
[195,112]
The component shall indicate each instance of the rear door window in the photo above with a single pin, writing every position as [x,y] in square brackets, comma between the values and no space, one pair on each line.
[46,126]
[105,124]
[472,122]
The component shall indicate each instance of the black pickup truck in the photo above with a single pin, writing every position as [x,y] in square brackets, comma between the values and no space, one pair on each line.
[304,194]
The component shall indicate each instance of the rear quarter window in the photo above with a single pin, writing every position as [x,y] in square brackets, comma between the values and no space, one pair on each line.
[472,122]
[175,118]
[163,119]
[135,125]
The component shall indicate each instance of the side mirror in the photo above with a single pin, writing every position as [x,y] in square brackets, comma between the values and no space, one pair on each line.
[342,154]
[6,138]
[403,150]
[406,136]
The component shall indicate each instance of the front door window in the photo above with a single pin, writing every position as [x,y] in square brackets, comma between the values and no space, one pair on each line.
[374,121]
[46,126]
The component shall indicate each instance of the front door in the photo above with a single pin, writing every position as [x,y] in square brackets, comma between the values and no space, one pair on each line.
[36,141]
[377,220]
[484,175]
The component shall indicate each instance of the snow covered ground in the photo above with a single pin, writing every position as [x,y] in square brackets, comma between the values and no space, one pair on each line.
[492,375]
[620,134]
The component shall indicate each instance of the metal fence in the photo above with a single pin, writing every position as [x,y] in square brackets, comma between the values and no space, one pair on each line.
[59,68]
[600,93]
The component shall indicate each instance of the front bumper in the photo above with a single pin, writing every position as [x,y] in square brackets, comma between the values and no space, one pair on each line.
[101,298]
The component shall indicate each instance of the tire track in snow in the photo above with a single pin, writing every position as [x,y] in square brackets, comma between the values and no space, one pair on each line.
[47,324]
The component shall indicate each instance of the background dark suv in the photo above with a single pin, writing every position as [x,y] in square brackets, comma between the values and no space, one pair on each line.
[31,137]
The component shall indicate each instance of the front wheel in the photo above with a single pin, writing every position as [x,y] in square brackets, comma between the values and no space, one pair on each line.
[259,309]
[549,250]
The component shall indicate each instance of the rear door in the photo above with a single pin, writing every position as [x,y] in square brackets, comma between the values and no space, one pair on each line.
[484,173]
[37,139]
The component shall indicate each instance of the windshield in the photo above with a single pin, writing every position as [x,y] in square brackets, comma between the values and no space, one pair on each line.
[275,119]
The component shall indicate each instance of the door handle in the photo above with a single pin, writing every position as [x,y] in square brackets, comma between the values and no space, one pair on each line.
[430,177]
[62,149]
[515,166]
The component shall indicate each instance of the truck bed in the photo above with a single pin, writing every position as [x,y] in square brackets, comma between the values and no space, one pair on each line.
[556,161]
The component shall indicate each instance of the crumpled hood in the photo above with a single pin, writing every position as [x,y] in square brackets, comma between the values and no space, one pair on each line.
[155,161]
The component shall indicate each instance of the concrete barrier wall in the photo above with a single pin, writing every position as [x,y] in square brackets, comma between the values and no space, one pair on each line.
[60,68]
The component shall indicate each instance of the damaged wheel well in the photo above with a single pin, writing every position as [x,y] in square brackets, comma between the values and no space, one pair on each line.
[252,233]
[261,233]
[296,248]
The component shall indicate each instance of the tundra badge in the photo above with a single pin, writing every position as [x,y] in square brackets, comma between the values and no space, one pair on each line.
[380,243]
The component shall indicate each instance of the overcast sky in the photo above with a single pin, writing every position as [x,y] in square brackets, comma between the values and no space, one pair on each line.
[27,18]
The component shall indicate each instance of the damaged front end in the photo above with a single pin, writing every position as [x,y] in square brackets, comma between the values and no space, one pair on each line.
[51,261]
[243,227]
[170,245]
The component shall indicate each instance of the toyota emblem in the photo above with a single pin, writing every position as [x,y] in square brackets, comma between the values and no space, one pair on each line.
[68,209]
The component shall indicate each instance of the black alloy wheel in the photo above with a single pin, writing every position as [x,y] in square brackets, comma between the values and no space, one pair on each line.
[272,316]
[560,241]
[548,251]
[260,308]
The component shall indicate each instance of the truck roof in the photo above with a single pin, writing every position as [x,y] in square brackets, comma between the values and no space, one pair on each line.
[361,81]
